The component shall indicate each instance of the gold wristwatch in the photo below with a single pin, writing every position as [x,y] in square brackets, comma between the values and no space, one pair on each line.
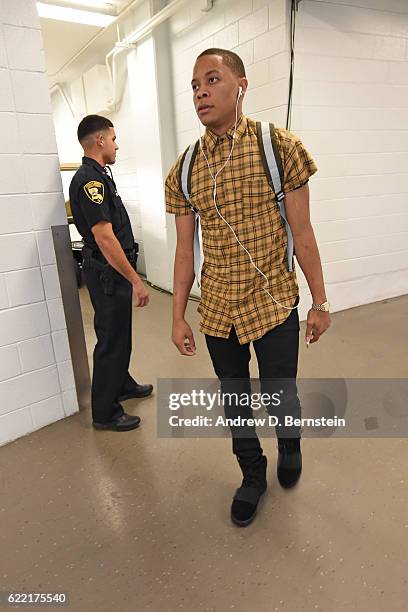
[325,307]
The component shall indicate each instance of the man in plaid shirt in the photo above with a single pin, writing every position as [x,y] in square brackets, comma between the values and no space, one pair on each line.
[235,307]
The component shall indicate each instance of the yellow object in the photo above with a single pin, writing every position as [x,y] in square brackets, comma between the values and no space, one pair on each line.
[95,190]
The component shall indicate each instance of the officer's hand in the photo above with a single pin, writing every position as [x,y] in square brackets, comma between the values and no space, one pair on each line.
[141,294]
[182,336]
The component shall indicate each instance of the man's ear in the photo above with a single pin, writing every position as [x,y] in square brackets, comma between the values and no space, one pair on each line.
[244,84]
[100,139]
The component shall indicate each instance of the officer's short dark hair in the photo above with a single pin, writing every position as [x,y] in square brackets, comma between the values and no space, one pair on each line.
[231,59]
[91,124]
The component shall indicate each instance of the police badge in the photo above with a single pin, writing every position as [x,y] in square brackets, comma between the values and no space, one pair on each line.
[95,191]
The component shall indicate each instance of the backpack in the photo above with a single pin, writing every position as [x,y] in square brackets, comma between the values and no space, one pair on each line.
[273,168]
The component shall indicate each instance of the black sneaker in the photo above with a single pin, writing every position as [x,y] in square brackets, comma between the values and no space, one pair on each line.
[125,422]
[289,461]
[135,391]
[245,503]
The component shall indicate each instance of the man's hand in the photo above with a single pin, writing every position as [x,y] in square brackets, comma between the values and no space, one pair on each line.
[317,323]
[140,293]
[307,255]
[182,336]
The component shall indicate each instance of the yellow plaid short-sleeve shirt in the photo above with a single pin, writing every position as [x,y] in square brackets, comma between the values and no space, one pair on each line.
[231,289]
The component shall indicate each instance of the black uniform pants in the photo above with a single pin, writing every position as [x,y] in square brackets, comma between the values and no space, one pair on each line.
[277,355]
[111,357]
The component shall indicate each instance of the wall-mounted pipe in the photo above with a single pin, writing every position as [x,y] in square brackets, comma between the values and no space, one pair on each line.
[124,45]
[130,42]
[129,8]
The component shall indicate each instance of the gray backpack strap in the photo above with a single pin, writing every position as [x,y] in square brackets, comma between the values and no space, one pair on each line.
[274,171]
[186,168]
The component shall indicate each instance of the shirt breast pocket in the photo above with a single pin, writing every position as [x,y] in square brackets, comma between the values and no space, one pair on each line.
[258,199]
[228,200]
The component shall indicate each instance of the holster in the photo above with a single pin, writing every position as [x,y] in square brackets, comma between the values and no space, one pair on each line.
[106,272]
[132,255]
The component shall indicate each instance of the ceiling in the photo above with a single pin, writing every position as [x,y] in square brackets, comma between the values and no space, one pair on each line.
[63,40]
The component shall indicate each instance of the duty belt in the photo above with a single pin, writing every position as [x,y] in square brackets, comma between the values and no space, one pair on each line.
[96,261]
[91,253]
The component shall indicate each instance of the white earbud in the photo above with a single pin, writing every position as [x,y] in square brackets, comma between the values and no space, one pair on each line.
[239,92]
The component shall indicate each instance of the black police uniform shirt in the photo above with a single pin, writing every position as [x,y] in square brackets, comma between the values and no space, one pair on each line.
[94,198]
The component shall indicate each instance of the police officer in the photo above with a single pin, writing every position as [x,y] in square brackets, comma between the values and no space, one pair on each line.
[109,262]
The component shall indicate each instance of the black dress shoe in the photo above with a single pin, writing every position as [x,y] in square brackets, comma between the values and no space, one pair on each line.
[245,503]
[126,422]
[135,391]
[289,461]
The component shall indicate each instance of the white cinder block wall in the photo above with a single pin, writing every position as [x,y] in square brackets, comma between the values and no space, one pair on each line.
[350,109]
[36,377]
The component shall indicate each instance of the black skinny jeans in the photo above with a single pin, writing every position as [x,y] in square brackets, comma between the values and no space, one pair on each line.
[277,355]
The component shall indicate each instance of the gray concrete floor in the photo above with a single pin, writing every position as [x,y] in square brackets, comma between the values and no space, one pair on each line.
[129,522]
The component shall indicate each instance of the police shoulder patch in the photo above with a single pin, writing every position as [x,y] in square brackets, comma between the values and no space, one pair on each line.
[95,190]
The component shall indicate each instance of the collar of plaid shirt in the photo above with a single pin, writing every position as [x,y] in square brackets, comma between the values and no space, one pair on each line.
[210,140]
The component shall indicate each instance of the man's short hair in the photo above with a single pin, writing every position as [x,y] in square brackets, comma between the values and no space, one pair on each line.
[91,124]
[231,59]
